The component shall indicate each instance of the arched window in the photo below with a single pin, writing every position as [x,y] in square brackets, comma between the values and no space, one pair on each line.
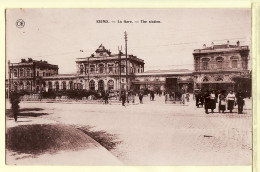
[101,68]
[101,85]
[50,85]
[110,85]
[57,85]
[21,85]
[28,85]
[64,85]
[15,72]
[205,79]
[43,85]
[219,79]
[71,85]
[15,86]
[92,85]
[21,72]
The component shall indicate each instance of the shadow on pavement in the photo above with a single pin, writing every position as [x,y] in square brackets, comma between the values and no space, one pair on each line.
[26,112]
[107,140]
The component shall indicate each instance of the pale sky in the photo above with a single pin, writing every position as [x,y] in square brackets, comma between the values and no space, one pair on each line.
[58,35]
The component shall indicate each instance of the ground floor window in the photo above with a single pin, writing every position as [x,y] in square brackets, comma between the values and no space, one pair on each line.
[71,85]
[92,85]
[110,85]
[64,85]
[101,85]
[28,86]
[50,85]
[57,86]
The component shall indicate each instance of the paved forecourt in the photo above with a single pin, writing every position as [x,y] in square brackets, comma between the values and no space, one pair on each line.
[155,133]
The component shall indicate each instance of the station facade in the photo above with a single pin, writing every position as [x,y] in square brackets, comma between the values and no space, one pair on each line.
[215,67]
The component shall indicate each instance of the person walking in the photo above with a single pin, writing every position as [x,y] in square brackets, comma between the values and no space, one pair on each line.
[15,100]
[212,101]
[187,97]
[222,102]
[106,97]
[141,97]
[152,95]
[240,101]
[197,98]
[231,101]
[123,98]
[207,101]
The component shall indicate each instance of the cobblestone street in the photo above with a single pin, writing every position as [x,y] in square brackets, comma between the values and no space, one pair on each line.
[155,133]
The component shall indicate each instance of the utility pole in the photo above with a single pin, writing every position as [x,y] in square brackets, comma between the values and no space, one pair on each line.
[119,64]
[126,66]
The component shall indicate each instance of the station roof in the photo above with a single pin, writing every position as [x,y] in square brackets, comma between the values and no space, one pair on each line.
[166,72]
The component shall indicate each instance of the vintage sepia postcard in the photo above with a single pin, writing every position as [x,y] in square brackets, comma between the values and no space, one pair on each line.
[121,87]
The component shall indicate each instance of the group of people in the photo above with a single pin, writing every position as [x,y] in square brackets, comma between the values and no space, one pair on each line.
[225,101]
[124,97]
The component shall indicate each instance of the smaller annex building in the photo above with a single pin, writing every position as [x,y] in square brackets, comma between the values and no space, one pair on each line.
[164,80]
[224,66]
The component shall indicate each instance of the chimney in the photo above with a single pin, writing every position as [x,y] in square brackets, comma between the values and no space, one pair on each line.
[204,46]
[238,43]
[212,45]
[228,43]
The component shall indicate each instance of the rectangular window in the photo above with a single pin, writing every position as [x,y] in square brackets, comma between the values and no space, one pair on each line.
[75,86]
[234,63]
[122,69]
[81,69]
[219,64]
[205,65]
[110,69]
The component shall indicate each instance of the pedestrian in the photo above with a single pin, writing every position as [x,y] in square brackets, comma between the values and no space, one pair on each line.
[160,93]
[222,101]
[212,101]
[187,97]
[106,97]
[207,101]
[201,99]
[141,97]
[152,95]
[15,100]
[123,98]
[240,101]
[230,101]
[197,97]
